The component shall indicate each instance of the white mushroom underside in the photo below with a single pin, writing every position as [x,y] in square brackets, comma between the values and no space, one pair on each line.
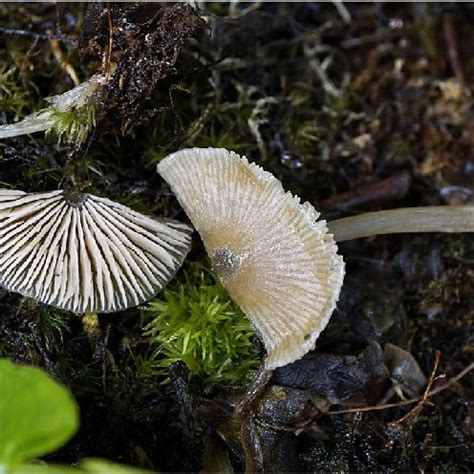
[86,254]
[277,262]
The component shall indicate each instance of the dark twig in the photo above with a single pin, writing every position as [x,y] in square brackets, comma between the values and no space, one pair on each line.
[38,36]
[380,192]
[108,51]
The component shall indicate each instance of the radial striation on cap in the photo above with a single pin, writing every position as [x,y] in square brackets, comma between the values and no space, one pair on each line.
[84,253]
[275,259]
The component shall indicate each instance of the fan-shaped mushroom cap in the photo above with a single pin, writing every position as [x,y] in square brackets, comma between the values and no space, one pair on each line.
[83,253]
[276,261]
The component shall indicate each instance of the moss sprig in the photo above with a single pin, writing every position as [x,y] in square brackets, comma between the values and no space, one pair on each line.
[13,98]
[196,322]
[73,126]
[51,326]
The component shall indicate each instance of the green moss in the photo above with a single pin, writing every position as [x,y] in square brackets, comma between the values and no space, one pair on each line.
[3,350]
[196,322]
[39,172]
[457,247]
[206,121]
[13,98]
[134,201]
[51,326]
[338,104]
[73,126]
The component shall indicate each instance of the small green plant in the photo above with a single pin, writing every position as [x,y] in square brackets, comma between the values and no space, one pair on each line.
[13,98]
[3,350]
[196,322]
[73,126]
[37,416]
[51,325]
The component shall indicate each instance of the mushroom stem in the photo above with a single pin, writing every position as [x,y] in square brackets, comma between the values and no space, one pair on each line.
[409,219]
[44,119]
[254,392]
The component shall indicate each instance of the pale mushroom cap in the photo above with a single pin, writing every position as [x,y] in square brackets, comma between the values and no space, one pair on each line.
[84,253]
[277,262]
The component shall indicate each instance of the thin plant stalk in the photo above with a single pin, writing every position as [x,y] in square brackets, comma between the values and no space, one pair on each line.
[449,219]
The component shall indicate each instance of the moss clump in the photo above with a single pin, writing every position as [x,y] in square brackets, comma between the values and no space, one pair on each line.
[13,99]
[73,126]
[197,323]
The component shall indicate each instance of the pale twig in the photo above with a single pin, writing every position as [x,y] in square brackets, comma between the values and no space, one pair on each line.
[453,55]
[62,62]
[417,409]
[342,10]
[385,406]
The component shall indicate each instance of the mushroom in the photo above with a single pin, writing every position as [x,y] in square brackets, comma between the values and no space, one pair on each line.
[44,119]
[84,253]
[449,219]
[275,259]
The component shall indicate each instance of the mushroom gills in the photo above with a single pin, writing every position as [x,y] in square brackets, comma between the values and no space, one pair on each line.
[84,253]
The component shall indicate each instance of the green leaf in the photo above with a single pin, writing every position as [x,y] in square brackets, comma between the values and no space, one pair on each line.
[37,414]
[42,468]
[87,466]
[101,466]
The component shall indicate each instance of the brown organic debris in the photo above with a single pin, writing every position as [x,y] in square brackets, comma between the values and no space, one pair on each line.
[139,51]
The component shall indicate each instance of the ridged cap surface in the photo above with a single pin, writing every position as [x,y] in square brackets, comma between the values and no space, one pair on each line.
[275,259]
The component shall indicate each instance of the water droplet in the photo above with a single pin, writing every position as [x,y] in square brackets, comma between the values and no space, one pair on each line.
[291,160]
[395,23]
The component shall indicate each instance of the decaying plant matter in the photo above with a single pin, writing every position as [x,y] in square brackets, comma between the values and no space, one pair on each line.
[139,45]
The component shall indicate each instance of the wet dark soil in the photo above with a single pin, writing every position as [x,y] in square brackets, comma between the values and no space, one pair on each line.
[356,108]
